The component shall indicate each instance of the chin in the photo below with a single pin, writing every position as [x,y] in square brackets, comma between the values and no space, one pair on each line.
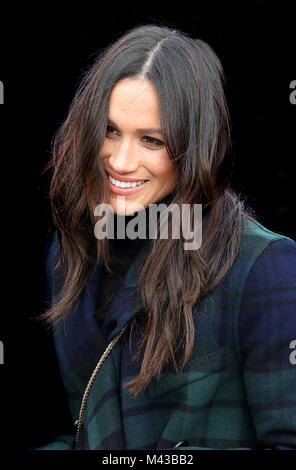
[126,208]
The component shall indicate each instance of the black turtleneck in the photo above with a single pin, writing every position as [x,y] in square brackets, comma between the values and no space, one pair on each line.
[122,254]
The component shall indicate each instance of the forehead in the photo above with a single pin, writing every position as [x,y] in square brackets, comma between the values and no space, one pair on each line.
[135,100]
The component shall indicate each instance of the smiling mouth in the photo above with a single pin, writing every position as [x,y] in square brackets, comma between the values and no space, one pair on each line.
[125,184]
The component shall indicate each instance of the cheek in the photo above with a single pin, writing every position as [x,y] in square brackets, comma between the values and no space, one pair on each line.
[104,150]
[165,171]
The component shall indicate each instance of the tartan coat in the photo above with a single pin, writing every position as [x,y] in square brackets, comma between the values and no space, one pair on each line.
[238,389]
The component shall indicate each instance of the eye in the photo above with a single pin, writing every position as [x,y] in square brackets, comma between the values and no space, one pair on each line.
[153,141]
[110,130]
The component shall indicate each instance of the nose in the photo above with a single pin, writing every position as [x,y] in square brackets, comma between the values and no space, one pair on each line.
[123,158]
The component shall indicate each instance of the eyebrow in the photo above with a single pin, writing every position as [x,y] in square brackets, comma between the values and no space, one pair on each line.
[144,131]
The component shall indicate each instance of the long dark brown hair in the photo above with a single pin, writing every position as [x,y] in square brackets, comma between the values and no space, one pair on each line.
[188,79]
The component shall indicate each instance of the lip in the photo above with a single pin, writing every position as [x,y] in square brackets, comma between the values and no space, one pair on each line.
[125,180]
[126,191]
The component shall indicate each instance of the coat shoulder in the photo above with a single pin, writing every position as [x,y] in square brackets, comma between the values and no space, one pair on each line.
[52,251]
[256,237]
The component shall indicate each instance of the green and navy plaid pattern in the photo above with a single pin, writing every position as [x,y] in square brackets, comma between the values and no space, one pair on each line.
[238,389]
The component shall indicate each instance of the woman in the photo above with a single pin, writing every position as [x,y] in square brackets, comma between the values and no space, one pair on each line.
[161,346]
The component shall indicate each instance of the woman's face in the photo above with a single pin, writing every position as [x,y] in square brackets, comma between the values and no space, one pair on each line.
[134,149]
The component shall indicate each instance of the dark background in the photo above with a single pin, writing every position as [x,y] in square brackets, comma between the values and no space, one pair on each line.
[43,54]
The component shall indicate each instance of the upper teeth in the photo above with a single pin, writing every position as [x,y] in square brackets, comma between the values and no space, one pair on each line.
[123,184]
